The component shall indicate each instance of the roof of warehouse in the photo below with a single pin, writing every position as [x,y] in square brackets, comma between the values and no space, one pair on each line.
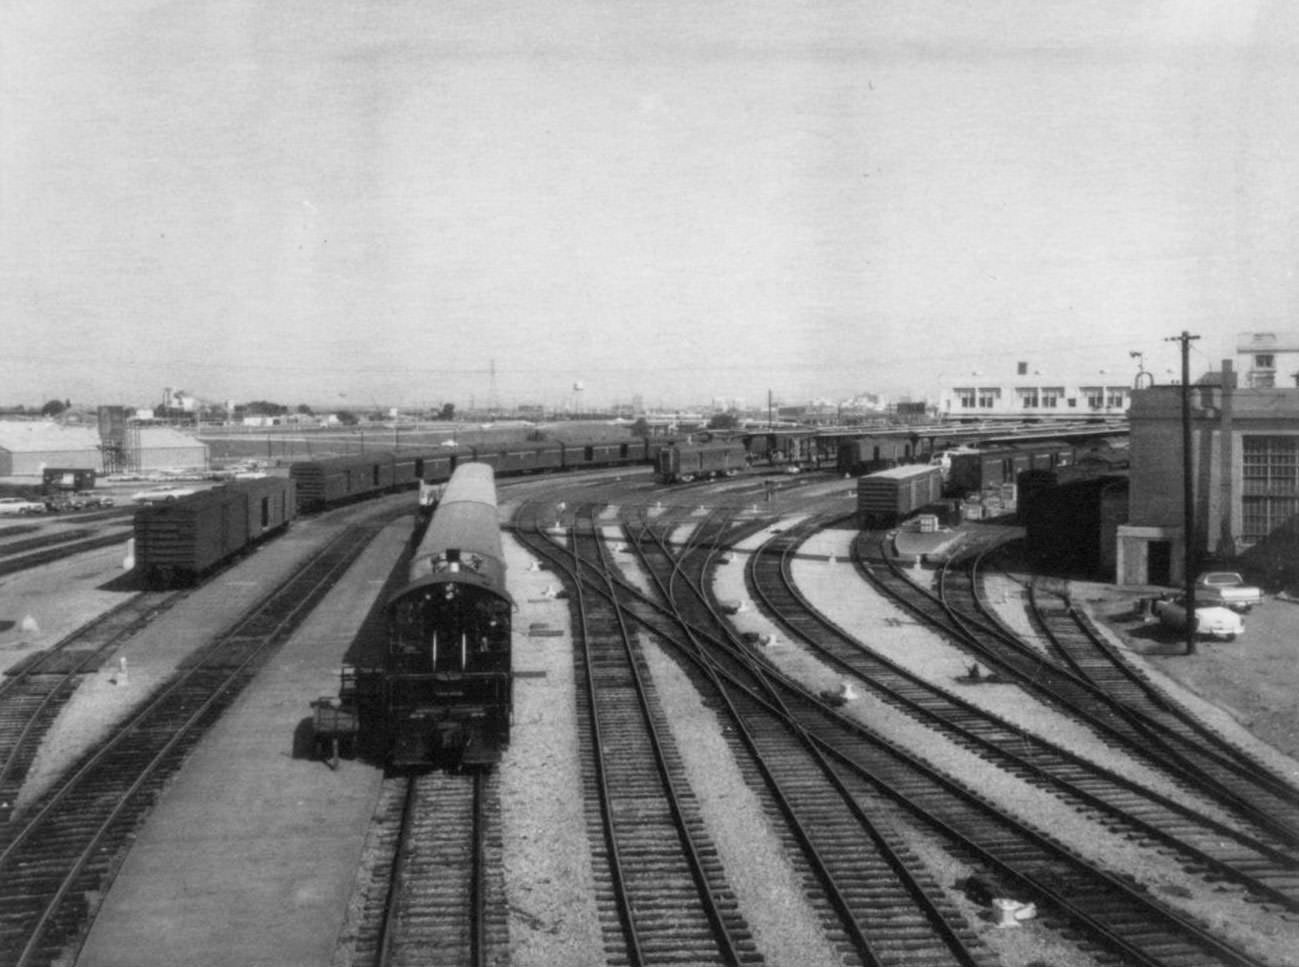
[36,436]
[40,436]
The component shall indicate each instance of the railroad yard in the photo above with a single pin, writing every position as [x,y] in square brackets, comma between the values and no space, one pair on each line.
[744,731]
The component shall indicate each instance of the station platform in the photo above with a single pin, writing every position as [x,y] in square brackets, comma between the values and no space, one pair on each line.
[250,856]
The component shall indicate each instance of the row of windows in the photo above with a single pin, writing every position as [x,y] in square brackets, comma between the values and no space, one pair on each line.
[1046,400]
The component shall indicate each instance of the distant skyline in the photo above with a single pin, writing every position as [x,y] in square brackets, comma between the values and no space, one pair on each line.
[389,202]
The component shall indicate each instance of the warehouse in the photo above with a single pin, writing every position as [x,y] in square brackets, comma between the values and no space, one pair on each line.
[28,447]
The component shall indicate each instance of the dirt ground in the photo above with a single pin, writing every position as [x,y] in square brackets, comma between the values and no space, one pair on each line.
[1254,679]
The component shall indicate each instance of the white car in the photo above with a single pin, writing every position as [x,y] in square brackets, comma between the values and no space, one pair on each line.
[159,495]
[1211,621]
[1228,589]
[20,505]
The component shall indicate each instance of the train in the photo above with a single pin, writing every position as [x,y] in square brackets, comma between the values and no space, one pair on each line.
[972,469]
[686,462]
[444,693]
[180,541]
[889,496]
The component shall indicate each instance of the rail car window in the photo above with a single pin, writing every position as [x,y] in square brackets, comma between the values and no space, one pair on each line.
[266,512]
[374,475]
[419,467]
[588,453]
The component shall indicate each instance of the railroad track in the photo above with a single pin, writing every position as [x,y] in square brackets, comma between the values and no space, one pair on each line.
[46,551]
[1134,714]
[1263,865]
[34,691]
[62,852]
[667,899]
[1108,913]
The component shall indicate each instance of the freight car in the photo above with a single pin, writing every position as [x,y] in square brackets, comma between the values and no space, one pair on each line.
[444,693]
[867,454]
[888,496]
[682,463]
[976,471]
[179,541]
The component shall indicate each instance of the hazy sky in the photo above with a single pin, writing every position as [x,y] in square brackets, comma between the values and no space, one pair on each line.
[296,200]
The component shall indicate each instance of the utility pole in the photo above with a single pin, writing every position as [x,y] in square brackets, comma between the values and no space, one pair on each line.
[1188,491]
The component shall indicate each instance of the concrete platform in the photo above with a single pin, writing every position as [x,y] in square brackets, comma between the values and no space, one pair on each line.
[250,856]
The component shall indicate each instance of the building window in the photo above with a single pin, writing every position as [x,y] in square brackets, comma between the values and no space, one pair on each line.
[1267,361]
[1051,396]
[1116,398]
[1269,484]
[1095,396]
[965,398]
[989,397]
[1028,398]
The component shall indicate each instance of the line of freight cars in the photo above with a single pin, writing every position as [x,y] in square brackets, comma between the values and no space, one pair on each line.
[971,470]
[179,541]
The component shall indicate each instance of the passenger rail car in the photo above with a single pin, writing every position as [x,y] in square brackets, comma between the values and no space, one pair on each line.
[444,694]
[334,481]
[179,541]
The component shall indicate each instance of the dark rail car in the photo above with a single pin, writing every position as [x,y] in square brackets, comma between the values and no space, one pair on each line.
[682,463]
[179,541]
[888,496]
[444,694]
[975,471]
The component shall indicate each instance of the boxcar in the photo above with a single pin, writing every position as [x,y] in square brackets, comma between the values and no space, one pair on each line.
[977,470]
[323,483]
[888,496]
[867,454]
[179,541]
[682,463]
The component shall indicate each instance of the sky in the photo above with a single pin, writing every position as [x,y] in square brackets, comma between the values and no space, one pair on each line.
[407,203]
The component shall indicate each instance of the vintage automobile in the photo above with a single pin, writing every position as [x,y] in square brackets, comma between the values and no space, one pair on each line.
[1211,621]
[1227,589]
[20,505]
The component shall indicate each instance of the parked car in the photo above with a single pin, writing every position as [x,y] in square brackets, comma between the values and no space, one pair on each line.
[84,500]
[20,505]
[1227,589]
[1213,621]
[158,495]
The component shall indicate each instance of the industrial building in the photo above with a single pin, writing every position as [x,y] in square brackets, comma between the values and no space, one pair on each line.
[1244,471]
[28,447]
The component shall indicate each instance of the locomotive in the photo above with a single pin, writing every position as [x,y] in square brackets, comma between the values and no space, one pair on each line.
[443,696]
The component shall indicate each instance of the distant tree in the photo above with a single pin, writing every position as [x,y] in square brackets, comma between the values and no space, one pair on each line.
[53,408]
[347,418]
[264,408]
[305,410]
[723,421]
[448,412]
[640,428]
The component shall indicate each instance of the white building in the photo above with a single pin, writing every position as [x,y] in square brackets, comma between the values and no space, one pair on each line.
[1030,394]
[1266,360]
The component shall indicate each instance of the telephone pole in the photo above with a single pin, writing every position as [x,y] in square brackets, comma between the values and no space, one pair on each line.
[1188,491]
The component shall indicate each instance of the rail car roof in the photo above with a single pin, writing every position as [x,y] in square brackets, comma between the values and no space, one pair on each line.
[903,472]
[466,523]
